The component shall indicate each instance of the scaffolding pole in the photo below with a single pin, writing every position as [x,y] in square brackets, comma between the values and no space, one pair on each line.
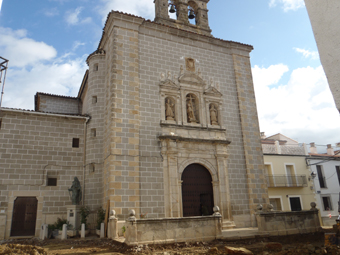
[3,72]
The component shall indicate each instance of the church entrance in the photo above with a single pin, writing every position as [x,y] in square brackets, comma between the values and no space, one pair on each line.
[24,216]
[197,191]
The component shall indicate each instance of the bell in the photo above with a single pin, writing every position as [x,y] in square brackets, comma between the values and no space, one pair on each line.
[172,9]
[191,14]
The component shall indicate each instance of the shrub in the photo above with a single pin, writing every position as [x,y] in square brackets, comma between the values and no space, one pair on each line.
[100,216]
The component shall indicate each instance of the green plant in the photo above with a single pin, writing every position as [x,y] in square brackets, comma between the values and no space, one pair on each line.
[100,216]
[143,215]
[59,224]
[84,213]
[124,229]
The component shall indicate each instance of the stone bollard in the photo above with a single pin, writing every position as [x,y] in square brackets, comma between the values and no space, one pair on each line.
[112,231]
[131,237]
[64,232]
[82,232]
[102,230]
[218,222]
[44,232]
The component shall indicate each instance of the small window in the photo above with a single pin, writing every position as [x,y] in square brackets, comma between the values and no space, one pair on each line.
[95,67]
[0,123]
[51,181]
[93,132]
[75,143]
[327,204]
[94,99]
[92,167]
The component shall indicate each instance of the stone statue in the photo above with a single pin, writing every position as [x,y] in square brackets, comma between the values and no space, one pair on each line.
[190,112]
[76,192]
[213,115]
[169,113]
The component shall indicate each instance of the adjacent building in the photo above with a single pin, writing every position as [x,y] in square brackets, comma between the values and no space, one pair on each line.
[290,186]
[165,123]
[324,17]
[325,169]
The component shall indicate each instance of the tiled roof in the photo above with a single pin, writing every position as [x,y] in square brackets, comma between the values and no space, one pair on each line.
[33,111]
[53,95]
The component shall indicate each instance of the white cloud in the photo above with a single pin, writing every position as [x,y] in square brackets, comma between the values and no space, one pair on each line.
[143,8]
[35,70]
[51,12]
[288,5]
[72,17]
[306,53]
[0,4]
[22,51]
[302,109]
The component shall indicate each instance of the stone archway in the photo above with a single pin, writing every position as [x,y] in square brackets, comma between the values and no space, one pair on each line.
[197,191]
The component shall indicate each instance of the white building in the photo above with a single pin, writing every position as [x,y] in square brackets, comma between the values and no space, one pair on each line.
[326,169]
[325,19]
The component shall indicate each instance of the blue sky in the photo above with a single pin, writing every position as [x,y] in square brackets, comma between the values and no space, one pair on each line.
[47,42]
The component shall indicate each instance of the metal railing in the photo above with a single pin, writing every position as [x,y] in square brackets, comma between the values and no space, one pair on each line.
[286,181]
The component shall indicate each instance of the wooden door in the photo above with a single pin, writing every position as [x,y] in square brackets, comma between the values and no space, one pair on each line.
[24,216]
[197,191]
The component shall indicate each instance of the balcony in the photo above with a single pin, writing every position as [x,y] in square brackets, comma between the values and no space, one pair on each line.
[286,181]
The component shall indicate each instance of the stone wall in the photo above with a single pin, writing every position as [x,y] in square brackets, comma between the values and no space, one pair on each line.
[171,230]
[35,147]
[288,223]
[57,104]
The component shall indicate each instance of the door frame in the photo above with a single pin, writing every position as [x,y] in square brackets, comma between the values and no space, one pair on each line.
[12,195]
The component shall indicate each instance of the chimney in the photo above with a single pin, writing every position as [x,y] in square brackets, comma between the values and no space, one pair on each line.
[263,135]
[278,148]
[330,150]
[313,148]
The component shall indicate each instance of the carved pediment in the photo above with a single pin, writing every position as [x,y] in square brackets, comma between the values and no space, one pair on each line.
[191,78]
[169,84]
[212,91]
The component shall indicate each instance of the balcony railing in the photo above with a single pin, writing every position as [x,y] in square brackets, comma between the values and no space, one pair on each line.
[286,181]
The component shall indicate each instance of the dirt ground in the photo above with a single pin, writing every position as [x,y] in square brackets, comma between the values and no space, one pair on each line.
[292,245]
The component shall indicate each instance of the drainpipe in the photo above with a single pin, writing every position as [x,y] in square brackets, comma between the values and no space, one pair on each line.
[84,158]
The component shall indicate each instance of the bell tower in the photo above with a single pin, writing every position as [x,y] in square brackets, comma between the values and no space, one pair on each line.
[185,10]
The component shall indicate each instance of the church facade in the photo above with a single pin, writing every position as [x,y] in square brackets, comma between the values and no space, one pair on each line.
[164,123]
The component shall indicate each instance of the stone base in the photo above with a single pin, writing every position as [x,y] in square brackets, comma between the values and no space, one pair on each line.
[73,216]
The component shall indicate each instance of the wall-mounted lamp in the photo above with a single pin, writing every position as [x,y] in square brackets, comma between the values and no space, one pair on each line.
[312,176]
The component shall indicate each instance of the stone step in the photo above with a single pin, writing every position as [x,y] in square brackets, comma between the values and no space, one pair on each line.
[240,233]
[228,225]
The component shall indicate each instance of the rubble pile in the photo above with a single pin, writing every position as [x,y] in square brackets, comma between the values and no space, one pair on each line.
[21,249]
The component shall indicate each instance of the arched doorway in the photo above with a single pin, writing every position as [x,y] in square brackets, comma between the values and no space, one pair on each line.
[197,191]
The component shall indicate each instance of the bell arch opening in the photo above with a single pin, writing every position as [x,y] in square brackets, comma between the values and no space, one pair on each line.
[197,191]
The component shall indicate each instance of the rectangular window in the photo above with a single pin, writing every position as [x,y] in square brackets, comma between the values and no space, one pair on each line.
[93,132]
[276,202]
[95,67]
[75,143]
[94,99]
[51,181]
[0,123]
[270,178]
[327,204]
[322,180]
[338,173]
[295,204]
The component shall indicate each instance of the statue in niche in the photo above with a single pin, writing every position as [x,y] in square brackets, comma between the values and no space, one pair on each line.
[190,109]
[169,112]
[76,192]
[213,115]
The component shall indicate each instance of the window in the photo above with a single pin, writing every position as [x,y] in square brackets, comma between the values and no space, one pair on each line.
[51,181]
[94,99]
[322,180]
[92,167]
[327,204]
[95,67]
[270,178]
[276,202]
[75,143]
[0,123]
[93,132]
[338,172]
